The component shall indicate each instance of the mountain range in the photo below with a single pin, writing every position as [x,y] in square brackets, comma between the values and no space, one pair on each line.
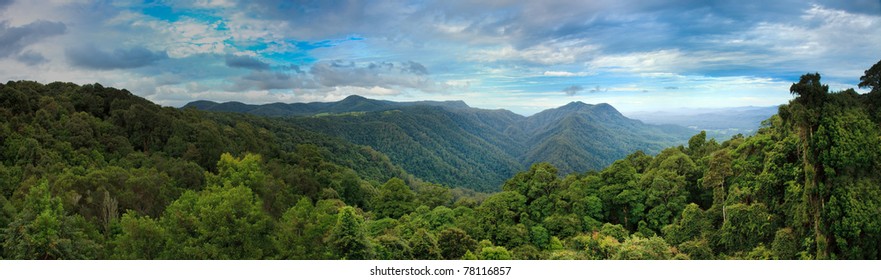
[457,145]
[353,103]
[719,123]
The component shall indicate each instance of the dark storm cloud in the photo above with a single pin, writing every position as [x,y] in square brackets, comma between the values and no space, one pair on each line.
[337,18]
[573,90]
[377,65]
[337,73]
[293,68]
[649,25]
[89,56]
[414,68]
[14,39]
[246,62]
[31,58]
[270,80]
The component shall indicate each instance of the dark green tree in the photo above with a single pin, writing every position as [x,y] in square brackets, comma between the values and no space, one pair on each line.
[454,242]
[394,199]
[785,245]
[301,232]
[499,215]
[872,80]
[390,247]
[745,227]
[871,77]
[424,246]
[691,225]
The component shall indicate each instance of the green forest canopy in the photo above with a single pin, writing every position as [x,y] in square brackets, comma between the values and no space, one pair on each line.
[88,172]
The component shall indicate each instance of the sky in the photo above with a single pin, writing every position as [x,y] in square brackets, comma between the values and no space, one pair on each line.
[525,56]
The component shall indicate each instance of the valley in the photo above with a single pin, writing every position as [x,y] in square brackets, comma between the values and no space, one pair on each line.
[454,144]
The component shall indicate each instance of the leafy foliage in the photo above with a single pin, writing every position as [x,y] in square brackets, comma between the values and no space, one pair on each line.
[456,145]
[347,238]
[42,230]
[199,185]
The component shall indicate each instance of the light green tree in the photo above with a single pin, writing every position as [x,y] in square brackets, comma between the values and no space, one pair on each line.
[42,230]
[142,238]
[348,239]
[217,223]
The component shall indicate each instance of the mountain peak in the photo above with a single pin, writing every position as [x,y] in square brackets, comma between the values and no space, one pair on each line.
[605,107]
[576,105]
[608,110]
[354,97]
[201,104]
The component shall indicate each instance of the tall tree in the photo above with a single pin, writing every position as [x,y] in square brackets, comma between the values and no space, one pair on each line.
[872,80]
[872,77]
[348,238]
[804,112]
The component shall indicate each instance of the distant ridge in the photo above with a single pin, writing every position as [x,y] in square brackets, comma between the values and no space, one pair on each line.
[352,103]
[720,123]
[452,143]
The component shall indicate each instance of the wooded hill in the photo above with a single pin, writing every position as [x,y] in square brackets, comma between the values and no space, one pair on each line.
[457,145]
[97,173]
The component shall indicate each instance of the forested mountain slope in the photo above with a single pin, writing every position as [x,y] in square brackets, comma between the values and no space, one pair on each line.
[94,144]
[454,144]
[432,143]
[352,103]
[86,176]
[578,137]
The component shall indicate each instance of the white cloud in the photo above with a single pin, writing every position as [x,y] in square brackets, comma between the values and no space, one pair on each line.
[826,40]
[186,37]
[487,49]
[566,74]
[553,53]
[644,62]
[214,3]
[461,83]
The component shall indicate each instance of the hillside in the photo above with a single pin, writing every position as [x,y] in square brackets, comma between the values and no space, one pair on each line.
[578,137]
[47,130]
[97,173]
[438,145]
[352,103]
[84,180]
[457,145]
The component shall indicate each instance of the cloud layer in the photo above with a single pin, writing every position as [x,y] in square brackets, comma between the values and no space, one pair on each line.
[92,57]
[494,54]
[15,39]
